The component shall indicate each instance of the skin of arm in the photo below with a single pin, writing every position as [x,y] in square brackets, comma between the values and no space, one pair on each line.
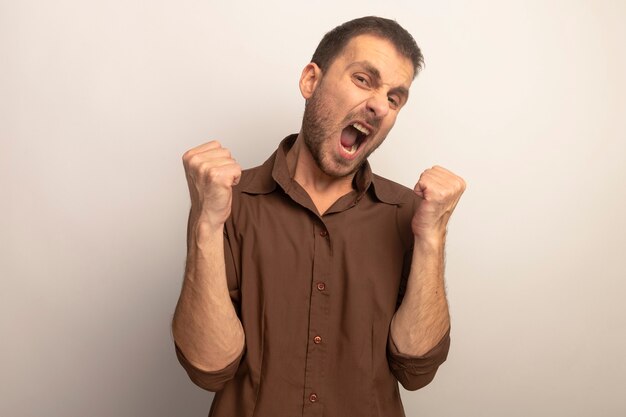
[205,325]
[423,316]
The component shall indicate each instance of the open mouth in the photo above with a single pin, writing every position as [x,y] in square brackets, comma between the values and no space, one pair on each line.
[352,136]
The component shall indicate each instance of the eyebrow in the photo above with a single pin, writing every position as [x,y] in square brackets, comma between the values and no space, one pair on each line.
[367,66]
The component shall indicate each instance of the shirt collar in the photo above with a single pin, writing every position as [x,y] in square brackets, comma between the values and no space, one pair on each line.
[274,171]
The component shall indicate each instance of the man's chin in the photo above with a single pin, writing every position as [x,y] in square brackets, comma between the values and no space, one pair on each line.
[341,169]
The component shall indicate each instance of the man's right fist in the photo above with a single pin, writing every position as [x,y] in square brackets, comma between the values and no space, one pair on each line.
[211,173]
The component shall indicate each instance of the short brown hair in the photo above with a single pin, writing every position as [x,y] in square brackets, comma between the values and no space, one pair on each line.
[334,41]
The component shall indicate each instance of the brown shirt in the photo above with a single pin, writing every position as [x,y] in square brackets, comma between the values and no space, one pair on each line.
[316,295]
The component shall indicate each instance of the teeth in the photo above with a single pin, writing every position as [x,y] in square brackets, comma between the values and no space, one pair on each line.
[358,126]
[351,149]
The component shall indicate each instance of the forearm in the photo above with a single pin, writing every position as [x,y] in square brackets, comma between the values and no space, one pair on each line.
[422,318]
[205,325]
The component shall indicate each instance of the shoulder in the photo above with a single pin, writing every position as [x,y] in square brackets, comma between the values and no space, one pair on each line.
[391,192]
[403,199]
[257,180]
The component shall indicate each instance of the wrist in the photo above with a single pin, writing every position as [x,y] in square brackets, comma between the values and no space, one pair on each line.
[207,228]
[430,241]
[204,229]
[204,221]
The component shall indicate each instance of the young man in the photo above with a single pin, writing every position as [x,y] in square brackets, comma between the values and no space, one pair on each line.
[312,285]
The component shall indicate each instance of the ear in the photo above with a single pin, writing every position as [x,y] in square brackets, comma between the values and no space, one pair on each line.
[309,80]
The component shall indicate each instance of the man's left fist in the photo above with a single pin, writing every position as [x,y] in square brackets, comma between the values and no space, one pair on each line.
[439,191]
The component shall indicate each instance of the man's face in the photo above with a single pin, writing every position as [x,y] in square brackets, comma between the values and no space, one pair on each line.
[355,104]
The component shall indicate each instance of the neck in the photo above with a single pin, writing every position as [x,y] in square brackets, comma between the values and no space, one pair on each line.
[323,189]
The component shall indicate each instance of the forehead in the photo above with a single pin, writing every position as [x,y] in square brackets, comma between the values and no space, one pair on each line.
[379,52]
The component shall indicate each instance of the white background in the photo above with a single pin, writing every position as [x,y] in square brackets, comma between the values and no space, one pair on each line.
[98,101]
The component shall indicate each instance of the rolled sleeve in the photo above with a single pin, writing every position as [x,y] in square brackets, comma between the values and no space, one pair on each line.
[415,372]
[215,380]
[209,380]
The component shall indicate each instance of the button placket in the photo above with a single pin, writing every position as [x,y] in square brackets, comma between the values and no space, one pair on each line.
[315,370]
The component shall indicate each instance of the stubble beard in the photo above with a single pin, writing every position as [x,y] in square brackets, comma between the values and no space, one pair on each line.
[317,128]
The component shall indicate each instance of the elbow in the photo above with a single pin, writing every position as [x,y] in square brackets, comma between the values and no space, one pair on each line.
[213,380]
[415,382]
[415,372]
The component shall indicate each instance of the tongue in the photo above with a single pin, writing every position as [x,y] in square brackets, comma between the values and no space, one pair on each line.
[348,137]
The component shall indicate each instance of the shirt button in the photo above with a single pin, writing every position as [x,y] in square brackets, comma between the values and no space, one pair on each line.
[317,340]
[321,286]
[323,233]
[313,397]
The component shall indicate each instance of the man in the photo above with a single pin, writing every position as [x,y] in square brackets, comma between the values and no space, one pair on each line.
[313,286]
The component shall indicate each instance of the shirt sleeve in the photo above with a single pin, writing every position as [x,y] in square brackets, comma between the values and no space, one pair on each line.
[215,380]
[415,372]
[210,381]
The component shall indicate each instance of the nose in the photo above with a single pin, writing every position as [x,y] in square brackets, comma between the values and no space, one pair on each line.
[378,104]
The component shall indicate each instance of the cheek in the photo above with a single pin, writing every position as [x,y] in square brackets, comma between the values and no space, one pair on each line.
[389,122]
[350,97]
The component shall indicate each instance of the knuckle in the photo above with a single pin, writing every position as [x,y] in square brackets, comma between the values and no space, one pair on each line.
[459,184]
[187,156]
[195,161]
[205,168]
[215,175]
[212,173]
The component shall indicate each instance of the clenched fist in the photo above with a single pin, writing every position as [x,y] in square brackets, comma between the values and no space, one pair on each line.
[211,173]
[439,191]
